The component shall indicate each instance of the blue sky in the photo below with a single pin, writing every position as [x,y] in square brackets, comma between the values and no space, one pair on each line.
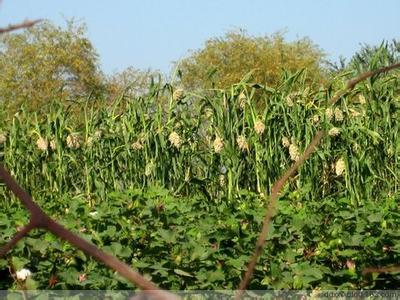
[153,33]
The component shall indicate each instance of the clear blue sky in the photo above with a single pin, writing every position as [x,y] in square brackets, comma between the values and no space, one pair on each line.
[153,33]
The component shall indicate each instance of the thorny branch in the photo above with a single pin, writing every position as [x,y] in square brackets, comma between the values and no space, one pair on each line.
[278,185]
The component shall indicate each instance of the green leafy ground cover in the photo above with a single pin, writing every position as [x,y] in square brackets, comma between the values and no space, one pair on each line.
[190,243]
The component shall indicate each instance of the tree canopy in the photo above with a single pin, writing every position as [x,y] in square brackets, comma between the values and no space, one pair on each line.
[368,57]
[132,82]
[224,61]
[375,56]
[47,62]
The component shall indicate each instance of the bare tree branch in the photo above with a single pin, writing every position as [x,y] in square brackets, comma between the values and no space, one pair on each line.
[276,188]
[22,25]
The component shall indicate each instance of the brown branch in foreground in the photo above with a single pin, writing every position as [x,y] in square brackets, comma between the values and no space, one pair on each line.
[271,210]
[351,84]
[19,235]
[39,219]
[278,185]
[367,271]
[22,25]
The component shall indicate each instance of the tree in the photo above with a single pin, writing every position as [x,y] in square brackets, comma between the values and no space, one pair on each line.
[373,57]
[369,57]
[132,82]
[224,61]
[47,62]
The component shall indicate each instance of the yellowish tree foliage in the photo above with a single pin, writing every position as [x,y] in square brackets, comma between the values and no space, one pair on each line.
[47,63]
[224,61]
[132,82]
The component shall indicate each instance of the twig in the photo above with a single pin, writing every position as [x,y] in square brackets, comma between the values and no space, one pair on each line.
[21,285]
[278,185]
[271,210]
[20,234]
[366,75]
[22,25]
[381,270]
[39,219]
